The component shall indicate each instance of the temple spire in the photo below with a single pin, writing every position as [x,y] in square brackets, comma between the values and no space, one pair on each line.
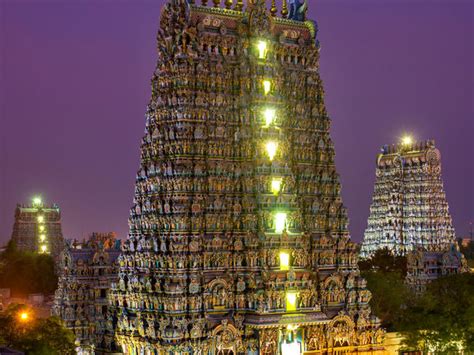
[240,5]
[284,9]
[273,9]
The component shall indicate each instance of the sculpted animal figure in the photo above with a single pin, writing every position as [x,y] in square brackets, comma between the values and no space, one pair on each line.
[298,10]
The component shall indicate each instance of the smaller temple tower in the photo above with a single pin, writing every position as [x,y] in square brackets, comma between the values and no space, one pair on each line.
[37,228]
[409,210]
[86,272]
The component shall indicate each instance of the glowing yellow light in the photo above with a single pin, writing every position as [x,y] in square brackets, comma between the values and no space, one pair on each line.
[269,114]
[291,301]
[284,261]
[42,237]
[24,316]
[291,348]
[41,228]
[37,201]
[271,149]
[407,140]
[267,86]
[43,248]
[40,219]
[280,222]
[262,49]
[276,186]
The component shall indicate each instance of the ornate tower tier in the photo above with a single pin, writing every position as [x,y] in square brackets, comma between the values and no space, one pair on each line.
[37,228]
[409,209]
[238,238]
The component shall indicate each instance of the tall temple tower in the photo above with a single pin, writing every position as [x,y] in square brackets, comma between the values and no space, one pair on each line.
[238,238]
[409,209]
[37,228]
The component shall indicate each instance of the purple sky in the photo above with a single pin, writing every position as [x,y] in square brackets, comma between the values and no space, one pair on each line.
[74,82]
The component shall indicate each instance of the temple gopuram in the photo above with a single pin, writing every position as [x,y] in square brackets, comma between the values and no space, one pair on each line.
[37,228]
[238,238]
[87,270]
[409,210]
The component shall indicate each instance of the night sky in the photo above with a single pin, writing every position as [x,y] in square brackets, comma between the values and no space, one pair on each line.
[74,83]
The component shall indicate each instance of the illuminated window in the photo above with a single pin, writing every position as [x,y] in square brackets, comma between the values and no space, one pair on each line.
[43,248]
[262,49]
[291,301]
[269,115]
[40,219]
[42,237]
[284,261]
[267,86]
[41,228]
[271,148]
[280,222]
[37,201]
[276,186]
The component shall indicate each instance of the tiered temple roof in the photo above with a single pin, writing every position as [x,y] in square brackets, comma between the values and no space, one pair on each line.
[37,228]
[87,270]
[238,237]
[409,208]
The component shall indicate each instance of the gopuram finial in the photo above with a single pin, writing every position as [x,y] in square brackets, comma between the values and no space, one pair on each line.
[273,9]
[240,5]
[229,3]
[284,9]
[204,2]
[217,3]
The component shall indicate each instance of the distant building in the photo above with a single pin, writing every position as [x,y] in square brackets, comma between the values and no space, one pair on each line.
[37,228]
[465,242]
[425,266]
[87,270]
[409,208]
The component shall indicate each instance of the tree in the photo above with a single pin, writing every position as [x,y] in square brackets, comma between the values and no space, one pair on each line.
[26,272]
[384,260]
[35,336]
[441,320]
[389,295]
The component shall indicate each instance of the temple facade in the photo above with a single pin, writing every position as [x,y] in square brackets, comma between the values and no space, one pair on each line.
[238,239]
[37,228]
[87,270]
[409,211]
[425,266]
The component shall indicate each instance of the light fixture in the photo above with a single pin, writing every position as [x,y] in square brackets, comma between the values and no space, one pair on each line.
[41,228]
[40,219]
[42,237]
[269,115]
[284,261]
[24,316]
[276,186]
[43,248]
[291,301]
[407,140]
[267,86]
[37,201]
[271,148]
[262,49]
[280,222]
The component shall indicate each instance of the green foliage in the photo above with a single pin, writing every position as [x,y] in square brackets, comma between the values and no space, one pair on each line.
[468,250]
[35,336]
[389,295]
[383,260]
[25,272]
[442,318]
